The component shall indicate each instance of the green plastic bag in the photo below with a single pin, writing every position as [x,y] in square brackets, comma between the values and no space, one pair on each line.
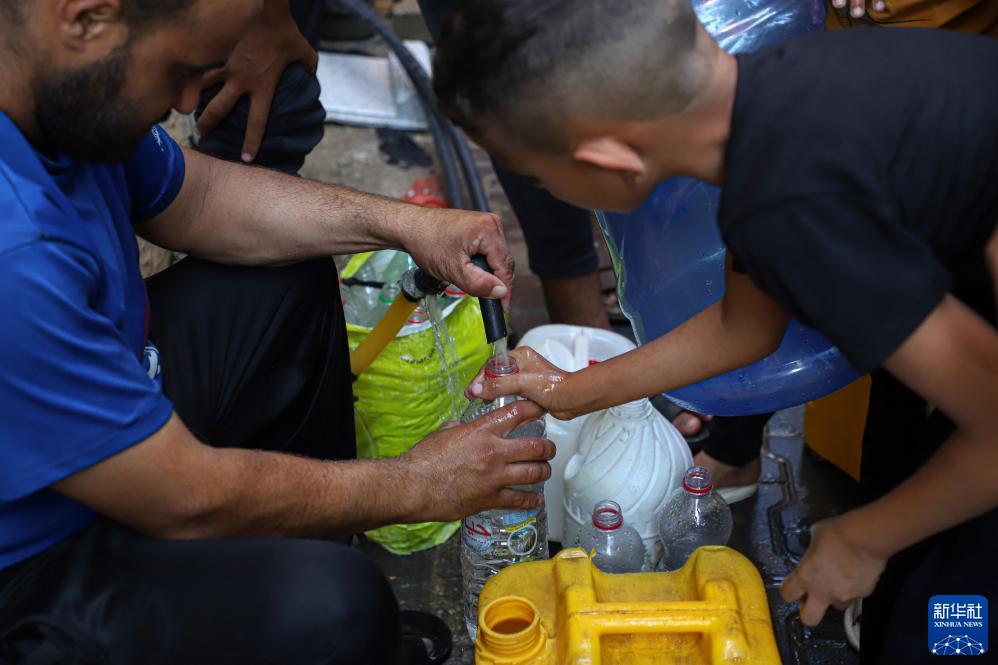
[404,395]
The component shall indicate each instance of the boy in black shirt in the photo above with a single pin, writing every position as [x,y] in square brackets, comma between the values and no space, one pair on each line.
[864,227]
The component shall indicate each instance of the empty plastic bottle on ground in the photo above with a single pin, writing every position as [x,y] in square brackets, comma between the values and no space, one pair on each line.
[694,516]
[495,539]
[632,453]
[616,547]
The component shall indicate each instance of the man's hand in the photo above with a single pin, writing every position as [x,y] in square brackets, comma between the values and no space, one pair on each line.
[443,241]
[836,570]
[254,68]
[538,380]
[858,7]
[460,470]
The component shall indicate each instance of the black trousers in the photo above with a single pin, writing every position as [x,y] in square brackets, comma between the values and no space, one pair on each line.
[901,434]
[251,357]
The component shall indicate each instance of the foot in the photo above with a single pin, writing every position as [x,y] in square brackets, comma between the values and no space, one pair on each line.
[733,483]
[725,475]
[689,423]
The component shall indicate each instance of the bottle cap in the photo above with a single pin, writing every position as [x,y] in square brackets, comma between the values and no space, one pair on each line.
[607,515]
[697,481]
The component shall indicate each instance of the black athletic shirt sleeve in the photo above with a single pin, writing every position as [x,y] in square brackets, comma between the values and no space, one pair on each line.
[840,266]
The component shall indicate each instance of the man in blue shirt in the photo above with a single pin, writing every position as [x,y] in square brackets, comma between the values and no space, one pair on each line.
[124,538]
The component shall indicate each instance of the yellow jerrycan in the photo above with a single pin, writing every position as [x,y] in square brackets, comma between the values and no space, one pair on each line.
[565,611]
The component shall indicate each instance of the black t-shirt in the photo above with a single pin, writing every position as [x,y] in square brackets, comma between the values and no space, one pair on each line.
[861,178]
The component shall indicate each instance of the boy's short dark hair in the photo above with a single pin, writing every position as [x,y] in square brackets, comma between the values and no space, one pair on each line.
[526,65]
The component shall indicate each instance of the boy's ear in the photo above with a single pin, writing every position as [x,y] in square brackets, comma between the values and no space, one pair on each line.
[611,154]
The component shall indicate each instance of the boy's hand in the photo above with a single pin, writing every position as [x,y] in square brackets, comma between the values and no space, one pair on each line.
[835,571]
[538,380]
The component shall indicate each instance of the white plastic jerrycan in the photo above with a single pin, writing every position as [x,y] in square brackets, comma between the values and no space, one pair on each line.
[569,348]
[632,453]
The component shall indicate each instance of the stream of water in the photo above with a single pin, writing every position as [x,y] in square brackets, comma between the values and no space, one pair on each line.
[449,361]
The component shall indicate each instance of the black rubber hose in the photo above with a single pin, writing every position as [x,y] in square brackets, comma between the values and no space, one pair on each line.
[492,315]
[442,129]
[478,198]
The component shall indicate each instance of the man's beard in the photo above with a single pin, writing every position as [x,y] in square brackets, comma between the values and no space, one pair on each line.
[81,113]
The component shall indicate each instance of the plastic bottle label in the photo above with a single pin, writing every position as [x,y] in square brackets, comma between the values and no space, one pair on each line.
[476,534]
[523,539]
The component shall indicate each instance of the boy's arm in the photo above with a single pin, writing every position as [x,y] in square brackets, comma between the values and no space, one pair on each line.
[952,361]
[742,327]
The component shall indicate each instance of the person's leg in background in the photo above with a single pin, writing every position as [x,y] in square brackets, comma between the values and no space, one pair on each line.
[730,452]
[559,236]
[560,251]
[295,125]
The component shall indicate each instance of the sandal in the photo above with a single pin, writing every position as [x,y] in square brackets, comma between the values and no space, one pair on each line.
[853,617]
[427,639]
[732,494]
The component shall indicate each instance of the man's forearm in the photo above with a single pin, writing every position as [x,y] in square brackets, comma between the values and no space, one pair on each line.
[173,486]
[272,494]
[235,214]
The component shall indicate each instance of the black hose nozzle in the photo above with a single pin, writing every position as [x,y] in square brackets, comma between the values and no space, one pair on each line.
[416,284]
[492,314]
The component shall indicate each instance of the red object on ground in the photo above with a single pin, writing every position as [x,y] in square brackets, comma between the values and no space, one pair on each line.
[426,192]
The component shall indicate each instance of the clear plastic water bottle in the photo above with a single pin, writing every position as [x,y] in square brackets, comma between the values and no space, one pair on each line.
[618,546]
[694,516]
[495,539]
[379,308]
[367,304]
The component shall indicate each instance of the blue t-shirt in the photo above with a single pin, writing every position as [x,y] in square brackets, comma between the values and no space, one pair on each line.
[74,383]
